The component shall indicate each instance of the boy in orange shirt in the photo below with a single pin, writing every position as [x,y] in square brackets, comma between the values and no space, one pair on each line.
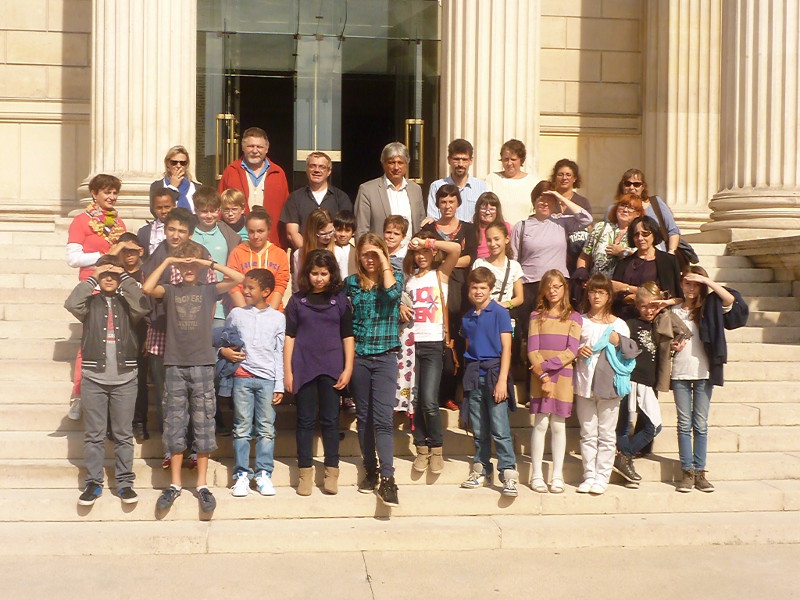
[258,252]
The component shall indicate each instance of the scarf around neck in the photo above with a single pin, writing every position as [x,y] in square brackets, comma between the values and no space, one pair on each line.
[105,223]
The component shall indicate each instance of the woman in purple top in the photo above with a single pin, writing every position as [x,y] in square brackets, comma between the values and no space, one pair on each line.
[318,362]
[539,243]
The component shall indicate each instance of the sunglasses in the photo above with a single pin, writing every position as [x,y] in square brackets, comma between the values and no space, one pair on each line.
[634,184]
[626,208]
[643,234]
[175,163]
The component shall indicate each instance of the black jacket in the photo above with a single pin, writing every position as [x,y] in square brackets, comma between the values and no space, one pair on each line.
[129,306]
[713,323]
[667,267]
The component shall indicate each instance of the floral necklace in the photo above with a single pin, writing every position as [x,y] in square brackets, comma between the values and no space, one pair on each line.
[105,223]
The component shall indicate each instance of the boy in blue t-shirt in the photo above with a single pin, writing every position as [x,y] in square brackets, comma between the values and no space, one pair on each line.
[488,387]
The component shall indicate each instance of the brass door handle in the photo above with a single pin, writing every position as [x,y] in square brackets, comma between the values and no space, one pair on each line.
[227,143]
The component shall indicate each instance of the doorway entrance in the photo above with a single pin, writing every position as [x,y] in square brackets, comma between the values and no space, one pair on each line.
[341,76]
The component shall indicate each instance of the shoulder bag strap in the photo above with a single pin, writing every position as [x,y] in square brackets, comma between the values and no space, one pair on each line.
[505,280]
[521,236]
[657,210]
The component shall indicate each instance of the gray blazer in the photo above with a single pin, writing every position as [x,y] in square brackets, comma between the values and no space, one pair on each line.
[372,207]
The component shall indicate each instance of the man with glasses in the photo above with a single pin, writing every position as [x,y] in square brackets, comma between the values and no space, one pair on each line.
[262,181]
[317,194]
[459,157]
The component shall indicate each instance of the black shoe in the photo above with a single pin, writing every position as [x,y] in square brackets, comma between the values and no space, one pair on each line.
[91,493]
[140,432]
[387,492]
[207,501]
[128,496]
[369,483]
[624,466]
[167,498]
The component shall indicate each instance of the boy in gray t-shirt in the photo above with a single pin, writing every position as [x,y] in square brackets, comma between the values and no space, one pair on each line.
[189,359]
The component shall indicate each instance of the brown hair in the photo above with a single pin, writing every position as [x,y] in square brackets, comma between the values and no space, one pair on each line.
[206,198]
[598,281]
[625,176]
[103,181]
[316,220]
[502,227]
[189,249]
[459,146]
[374,240]
[573,166]
[543,186]
[448,189]
[110,259]
[491,199]
[514,147]
[409,266]
[254,132]
[542,301]
[696,310]
[397,221]
[481,275]
[631,200]
[649,289]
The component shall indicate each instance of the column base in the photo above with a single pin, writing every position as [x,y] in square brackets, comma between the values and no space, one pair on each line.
[755,209]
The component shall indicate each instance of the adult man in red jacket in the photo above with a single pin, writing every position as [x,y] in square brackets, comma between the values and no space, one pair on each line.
[262,182]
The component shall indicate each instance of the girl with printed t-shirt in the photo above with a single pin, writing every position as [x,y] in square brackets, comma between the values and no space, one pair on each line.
[427,287]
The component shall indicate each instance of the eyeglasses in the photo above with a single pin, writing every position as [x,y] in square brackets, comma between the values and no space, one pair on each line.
[626,208]
[175,163]
[642,234]
[323,234]
[488,209]
[232,209]
[633,184]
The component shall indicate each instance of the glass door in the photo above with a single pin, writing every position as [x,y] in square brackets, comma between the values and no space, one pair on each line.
[341,76]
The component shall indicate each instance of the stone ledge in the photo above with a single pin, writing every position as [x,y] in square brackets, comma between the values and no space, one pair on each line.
[780,253]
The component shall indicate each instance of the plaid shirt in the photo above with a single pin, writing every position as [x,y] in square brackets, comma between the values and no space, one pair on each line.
[156,339]
[376,315]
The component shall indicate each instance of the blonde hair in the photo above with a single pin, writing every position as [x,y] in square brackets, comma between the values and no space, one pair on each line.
[172,152]
[232,197]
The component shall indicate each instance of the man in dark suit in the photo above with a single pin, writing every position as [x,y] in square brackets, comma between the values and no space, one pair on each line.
[389,194]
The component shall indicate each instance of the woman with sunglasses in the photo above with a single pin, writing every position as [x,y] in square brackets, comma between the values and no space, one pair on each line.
[608,241]
[633,182]
[177,178]
[647,263]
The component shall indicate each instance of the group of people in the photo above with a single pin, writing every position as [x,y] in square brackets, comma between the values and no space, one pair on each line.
[395,305]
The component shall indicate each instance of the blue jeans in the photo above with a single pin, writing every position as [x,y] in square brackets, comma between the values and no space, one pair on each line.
[253,409]
[692,399]
[489,420]
[373,384]
[427,420]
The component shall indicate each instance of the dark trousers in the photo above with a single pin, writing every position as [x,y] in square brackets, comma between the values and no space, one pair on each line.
[427,420]
[374,384]
[317,397]
[643,434]
[448,385]
[142,394]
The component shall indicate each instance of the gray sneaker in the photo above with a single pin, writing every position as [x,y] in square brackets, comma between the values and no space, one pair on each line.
[624,466]
[477,478]
[686,483]
[510,479]
[701,483]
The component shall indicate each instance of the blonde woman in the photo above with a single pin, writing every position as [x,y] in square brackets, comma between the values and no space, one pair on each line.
[177,178]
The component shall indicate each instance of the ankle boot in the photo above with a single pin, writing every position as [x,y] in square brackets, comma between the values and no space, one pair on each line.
[422,459]
[331,483]
[306,483]
[437,460]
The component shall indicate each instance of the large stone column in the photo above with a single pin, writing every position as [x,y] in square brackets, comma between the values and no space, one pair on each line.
[760,141]
[143,91]
[681,105]
[490,78]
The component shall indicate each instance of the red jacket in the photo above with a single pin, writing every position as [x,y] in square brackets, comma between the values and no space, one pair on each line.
[276,191]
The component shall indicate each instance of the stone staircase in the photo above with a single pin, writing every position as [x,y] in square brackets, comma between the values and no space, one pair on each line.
[754,454]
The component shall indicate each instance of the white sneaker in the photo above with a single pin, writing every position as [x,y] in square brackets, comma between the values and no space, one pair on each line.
[264,484]
[74,411]
[597,488]
[241,486]
[586,486]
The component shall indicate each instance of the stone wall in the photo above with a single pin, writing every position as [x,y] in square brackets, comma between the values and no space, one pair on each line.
[590,90]
[45,91]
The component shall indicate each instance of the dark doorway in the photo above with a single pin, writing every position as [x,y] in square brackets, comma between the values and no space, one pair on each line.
[267,101]
[368,124]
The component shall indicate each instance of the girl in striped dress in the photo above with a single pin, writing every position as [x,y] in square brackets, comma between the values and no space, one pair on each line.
[553,337]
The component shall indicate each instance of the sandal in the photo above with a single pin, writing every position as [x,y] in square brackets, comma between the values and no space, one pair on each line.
[557,486]
[538,485]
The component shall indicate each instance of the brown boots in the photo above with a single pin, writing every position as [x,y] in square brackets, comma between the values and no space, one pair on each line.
[306,482]
[428,458]
[437,460]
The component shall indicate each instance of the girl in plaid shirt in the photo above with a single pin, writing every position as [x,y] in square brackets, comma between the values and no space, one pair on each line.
[374,291]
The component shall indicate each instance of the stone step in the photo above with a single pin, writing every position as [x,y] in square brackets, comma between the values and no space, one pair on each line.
[415,501]
[8,252]
[398,534]
[69,444]
[37,296]
[759,318]
[21,391]
[736,274]
[761,371]
[732,262]
[763,352]
[748,288]
[773,303]
[61,281]
[22,349]
[39,238]
[709,249]
[69,328]
[37,266]
[767,333]
[70,474]
[36,312]
[34,370]
[750,392]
